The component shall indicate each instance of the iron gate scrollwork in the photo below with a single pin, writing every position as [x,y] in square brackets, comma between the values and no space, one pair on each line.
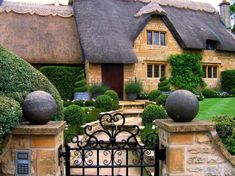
[111,150]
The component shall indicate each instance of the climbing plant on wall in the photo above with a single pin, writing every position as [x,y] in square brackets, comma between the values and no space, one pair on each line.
[186,71]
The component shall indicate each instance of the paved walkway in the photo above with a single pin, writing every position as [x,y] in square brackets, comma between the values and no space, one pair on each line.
[132,112]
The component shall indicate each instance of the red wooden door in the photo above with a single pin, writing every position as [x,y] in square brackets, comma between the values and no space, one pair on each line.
[112,76]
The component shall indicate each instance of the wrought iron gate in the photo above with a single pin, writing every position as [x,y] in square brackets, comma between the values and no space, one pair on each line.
[112,149]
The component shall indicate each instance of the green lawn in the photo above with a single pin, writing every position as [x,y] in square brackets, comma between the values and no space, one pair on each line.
[216,106]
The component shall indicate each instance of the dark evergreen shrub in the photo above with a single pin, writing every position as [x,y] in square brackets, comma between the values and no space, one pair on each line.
[79,102]
[154,94]
[63,78]
[18,78]
[10,115]
[161,100]
[227,80]
[209,93]
[67,103]
[104,101]
[152,112]
[98,89]
[89,103]
[232,91]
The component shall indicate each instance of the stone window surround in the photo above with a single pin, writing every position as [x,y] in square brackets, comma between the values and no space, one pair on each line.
[159,66]
[217,65]
[159,37]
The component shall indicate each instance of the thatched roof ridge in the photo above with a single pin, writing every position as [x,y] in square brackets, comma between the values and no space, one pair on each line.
[184,4]
[108,28]
[151,8]
[36,9]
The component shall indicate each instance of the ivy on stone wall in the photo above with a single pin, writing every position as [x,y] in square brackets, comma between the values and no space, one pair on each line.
[186,71]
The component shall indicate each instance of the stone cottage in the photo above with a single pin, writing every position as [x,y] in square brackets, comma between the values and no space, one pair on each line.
[120,40]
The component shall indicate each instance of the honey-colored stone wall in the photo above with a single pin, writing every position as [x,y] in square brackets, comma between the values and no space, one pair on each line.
[160,54]
[193,149]
[42,141]
[93,73]
[153,53]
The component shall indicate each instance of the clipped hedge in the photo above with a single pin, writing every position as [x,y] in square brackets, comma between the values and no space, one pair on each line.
[81,84]
[161,100]
[209,93]
[152,112]
[227,80]
[154,94]
[104,101]
[10,115]
[225,127]
[63,78]
[18,78]
[75,115]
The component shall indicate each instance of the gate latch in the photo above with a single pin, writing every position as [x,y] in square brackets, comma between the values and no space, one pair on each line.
[162,154]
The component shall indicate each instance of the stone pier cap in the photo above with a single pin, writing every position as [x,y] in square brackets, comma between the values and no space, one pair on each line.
[51,128]
[176,127]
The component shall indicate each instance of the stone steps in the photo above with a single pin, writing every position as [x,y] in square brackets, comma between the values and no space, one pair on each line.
[132,113]
[132,104]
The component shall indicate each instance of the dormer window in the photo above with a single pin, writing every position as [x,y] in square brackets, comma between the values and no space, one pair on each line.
[210,45]
[156,38]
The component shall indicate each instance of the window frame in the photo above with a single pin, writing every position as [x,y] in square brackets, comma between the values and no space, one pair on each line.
[154,64]
[153,38]
[213,66]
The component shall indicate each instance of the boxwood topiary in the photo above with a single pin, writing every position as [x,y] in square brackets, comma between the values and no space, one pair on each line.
[161,100]
[152,112]
[18,78]
[112,94]
[81,84]
[154,94]
[104,101]
[74,114]
[10,115]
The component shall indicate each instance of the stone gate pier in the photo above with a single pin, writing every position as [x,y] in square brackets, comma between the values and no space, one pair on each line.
[41,142]
[193,149]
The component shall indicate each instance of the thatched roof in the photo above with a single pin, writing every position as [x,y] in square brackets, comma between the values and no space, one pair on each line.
[41,34]
[108,28]
[193,28]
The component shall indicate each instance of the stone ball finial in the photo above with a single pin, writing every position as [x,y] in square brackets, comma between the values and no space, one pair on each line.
[182,106]
[39,107]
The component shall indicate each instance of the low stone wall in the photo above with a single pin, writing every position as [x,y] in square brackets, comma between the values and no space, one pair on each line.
[42,141]
[193,149]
